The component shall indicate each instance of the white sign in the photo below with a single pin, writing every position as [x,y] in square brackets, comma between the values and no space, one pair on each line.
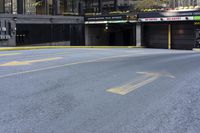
[189,18]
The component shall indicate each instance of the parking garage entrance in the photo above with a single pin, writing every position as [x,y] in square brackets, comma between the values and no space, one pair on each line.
[176,35]
[110,34]
[170,29]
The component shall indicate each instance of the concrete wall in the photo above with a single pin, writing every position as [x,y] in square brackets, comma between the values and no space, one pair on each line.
[14,19]
[64,43]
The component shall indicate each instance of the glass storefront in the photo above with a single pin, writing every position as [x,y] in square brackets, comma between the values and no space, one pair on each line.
[46,7]
[14,6]
[70,6]
[8,6]
[30,6]
[1,6]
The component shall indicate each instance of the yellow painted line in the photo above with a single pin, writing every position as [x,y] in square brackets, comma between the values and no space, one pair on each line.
[61,47]
[53,54]
[169,37]
[9,54]
[196,49]
[123,90]
[20,63]
[64,65]
[147,78]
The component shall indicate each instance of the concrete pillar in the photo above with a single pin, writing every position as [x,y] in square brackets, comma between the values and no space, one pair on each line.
[116,5]
[2,6]
[20,6]
[169,37]
[56,7]
[46,7]
[138,34]
[87,37]
[100,6]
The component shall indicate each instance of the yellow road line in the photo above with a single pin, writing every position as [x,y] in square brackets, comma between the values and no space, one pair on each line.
[123,90]
[53,54]
[58,47]
[9,54]
[143,80]
[64,65]
[29,62]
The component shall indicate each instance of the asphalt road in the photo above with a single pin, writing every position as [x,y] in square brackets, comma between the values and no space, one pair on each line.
[100,91]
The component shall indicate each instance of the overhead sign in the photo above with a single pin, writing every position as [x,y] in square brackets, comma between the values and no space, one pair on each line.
[168,14]
[106,18]
[196,17]
[106,22]
[187,18]
[110,19]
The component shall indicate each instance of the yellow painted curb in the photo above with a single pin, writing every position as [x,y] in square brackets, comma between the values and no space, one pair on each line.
[59,47]
[196,49]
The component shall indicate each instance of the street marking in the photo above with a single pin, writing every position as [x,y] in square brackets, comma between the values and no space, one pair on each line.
[139,82]
[22,63]
[9,54]
[50,54]
[64,65]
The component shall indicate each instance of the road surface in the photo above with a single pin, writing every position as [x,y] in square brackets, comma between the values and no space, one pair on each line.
[100,91]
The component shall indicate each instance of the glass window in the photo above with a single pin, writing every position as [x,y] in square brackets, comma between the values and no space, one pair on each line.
[68,6]
[49,6]
[43,6]
[8,6]
[30,6]
[1,6]
[14,6]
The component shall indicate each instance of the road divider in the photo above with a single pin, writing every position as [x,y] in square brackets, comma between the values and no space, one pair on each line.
[139,82]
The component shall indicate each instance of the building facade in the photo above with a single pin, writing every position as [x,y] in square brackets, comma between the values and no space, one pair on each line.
[110,23]
[106,6]
[96,23]
[41,22]
[184,3]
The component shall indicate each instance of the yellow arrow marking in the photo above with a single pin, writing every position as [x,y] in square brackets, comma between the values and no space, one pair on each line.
[9,54]
[147,78]
[21,63]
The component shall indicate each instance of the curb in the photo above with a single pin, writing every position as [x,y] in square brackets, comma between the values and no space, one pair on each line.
[61,47]
[196,49]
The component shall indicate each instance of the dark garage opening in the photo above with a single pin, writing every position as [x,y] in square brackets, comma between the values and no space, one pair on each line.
[183,36]
[49,34]
[111,35]
[121,35]
[155,35]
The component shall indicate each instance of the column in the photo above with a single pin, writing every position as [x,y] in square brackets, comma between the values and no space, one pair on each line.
[20,6]
[100,6]
[56,7]
[138,35]
[169,37]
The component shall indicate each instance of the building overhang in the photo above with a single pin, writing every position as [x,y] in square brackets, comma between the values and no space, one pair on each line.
[166,16]
[112,19]
[43,19]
